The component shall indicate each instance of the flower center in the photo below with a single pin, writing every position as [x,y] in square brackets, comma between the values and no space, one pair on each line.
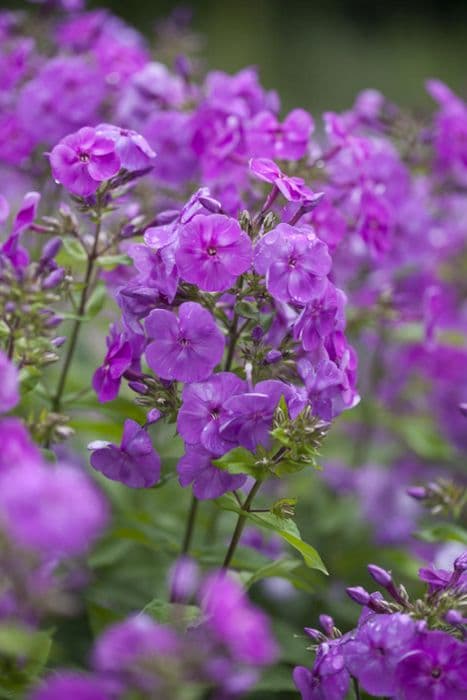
[212,251]
[84,157]
[292,262]
[184,342]
[436,672]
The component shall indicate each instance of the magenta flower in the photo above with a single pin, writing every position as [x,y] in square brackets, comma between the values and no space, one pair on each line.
[236,623]
[56,512]
[196,467]
[107,378]
[286,141]
[292,188]
[81,161]
[126,646]
[373,654]
[213,251]
[67,684]
[135,463]
[435,669]
[376,223]
[202,411]
[17,445]
[131,148]
[294,262]
[328,680]
[9,384]
[186,348]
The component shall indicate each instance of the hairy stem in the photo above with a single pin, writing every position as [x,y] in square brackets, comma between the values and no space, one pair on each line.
[240,524]
[92,256]
[190,525]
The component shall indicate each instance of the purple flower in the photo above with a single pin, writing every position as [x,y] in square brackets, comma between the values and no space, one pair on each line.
[132,149]
[243,628]
[54,511]
[435,669]
[372,655]
[81,161]
[328,680]
[126,646]
[321,317]
[196,467]
[107,378]
[17,446]
[9,384]
[375,224]
[186,348]
[292,188]
[203,412]
[213,251]
[66,684]
[295,264]
[135,463]
[286,141]
[249,415]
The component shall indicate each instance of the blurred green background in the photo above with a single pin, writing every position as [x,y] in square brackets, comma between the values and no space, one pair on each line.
[319,54]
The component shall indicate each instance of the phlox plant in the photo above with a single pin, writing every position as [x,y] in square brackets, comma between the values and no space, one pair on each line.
[233,371]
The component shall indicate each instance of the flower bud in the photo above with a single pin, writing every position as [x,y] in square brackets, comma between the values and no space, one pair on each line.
[257,333]
[54,321]
[59,341]
[380,575]
[272,357]
[454,617]
[460,563]
[210,204]
[327,623]
[419,493]
[153,416]
[315,634]
[51,249]
[138,387]
[359,595]
[54,279]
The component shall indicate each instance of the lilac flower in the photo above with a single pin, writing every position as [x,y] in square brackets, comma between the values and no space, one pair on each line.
[376,222]
[236,623]
[107,378]
[202,411]
[11,249]
[213,251]
[66,684]
[328,680]
[372,655]
[249,415]
[435,668]
[295,264]
[83,160]
[55,512]
[131,148]
[9,384]
[135,463]
[320,318]
[186,348]
[196,467]
[292,188]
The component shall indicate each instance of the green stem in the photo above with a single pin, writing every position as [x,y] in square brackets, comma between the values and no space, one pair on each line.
[233,337]
[240,524]
[92,256]
[190,525]
[356,688]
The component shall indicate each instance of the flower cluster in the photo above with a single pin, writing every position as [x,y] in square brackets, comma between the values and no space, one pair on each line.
[401,649]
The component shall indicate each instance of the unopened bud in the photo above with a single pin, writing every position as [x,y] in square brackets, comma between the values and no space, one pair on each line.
[380,575]
[460,563]
[284,508]
[315,634]
[272,357]
[51,249]
[419,493]
[327,623]
[210,204]
[359,595]
[454,617]
[53,321]
[153,416]
[138,387]
[59,341]
[54,279]
[183,580]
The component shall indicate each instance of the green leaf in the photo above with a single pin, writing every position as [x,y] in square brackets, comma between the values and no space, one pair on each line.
[422,436]
[110,261]
[96,300]
[17,641]
[174,613]
[239,461]
[443,532]
[247,309]
[281,568]
[286,528]
[74,249]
